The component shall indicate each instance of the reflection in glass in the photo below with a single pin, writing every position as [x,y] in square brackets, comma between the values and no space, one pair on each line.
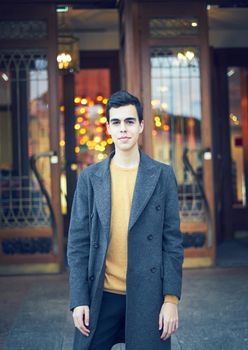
[176,112]
[24,132]
[236,139]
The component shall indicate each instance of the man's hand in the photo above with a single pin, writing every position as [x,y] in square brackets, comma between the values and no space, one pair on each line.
[81,318]
[168,320]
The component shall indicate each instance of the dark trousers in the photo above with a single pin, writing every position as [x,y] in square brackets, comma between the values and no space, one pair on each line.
[110,328]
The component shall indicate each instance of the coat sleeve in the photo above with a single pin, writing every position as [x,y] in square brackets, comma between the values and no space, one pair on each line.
[79,245]
[173,253]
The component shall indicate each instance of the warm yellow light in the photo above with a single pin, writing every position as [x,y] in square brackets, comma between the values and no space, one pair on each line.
[91,103]
[158,124]
[77,149]
[82,131]
[100,156]
[157,118]
[77,126]
[103,120]
[105,101]
[181,56]
[99,129]
[64,60]
[84,139]
[104,143]
[100,111]
[109,141]
[97,139]
[77,100]
[62,143]
[166,127]
[164,105]
[62,108]
[79,119]
[154,103]
[82,110]
[99,98]
[190,55]
[194,24]
[84,101]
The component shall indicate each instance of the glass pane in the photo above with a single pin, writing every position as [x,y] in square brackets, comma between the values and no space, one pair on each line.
[172,27]
[93,144]
[176,111]
[24,133]
[236,140]
[92,87]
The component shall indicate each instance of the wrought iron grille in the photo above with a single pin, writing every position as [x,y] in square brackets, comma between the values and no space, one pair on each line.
[24,117]
[172,27]
[22,203]
[28,29]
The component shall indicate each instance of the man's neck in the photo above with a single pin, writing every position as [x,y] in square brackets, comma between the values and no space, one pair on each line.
[128,159]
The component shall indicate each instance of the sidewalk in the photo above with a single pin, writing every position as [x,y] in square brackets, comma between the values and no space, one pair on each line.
[213,313]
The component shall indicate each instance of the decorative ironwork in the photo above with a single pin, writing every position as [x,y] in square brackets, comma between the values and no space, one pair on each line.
[21,202]
[28,29]
[35,245]
[196,239]
[173,27]
[17,61]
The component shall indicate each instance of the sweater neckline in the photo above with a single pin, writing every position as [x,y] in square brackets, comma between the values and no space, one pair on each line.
[112,164]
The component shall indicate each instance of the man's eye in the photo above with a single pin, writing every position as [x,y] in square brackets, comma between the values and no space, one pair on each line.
[115,122]
[130,122]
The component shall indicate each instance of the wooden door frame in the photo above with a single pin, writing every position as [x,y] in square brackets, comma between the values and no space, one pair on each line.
[222,59]
[177,10]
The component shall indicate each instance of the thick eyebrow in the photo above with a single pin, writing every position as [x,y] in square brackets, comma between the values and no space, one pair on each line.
[117,119]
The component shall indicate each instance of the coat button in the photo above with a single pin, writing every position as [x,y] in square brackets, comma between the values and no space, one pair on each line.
[150,237]
[92,278]
[153,269]
[158,207]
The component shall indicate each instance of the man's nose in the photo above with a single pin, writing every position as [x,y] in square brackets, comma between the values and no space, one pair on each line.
[123,126]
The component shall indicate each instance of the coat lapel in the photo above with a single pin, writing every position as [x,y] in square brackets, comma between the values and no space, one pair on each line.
[147,178]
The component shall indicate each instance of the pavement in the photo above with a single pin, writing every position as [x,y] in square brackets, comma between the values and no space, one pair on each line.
[213,312]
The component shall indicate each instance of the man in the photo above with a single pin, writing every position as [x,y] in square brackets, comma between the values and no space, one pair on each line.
[125,249]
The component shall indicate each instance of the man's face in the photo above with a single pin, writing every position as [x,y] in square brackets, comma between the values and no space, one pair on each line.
[124,127]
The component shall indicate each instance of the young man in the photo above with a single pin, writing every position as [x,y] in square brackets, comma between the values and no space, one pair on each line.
[125,250]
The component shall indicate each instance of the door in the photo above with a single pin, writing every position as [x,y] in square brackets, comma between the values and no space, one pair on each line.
[231,138]
[30,218]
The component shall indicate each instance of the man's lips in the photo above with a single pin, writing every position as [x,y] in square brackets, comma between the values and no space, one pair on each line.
[124,138]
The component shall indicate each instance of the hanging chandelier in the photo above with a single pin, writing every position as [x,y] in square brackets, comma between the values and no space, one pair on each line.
[68,54]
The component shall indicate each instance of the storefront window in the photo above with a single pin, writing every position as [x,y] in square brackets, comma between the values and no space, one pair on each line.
[176,113]
[24,132]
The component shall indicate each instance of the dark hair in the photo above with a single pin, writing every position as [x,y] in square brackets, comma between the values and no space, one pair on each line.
[124,98]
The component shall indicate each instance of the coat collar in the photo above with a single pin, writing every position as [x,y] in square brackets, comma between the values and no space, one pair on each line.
[147,178]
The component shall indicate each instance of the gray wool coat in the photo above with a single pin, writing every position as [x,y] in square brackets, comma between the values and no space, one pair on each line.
[155,251]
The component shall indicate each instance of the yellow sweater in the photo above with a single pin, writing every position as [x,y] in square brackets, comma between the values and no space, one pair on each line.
[122,183]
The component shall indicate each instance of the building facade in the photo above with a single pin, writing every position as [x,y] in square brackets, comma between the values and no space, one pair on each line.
[185,60]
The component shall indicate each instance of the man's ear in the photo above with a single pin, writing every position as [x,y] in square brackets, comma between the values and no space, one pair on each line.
[108,131]
[141,126]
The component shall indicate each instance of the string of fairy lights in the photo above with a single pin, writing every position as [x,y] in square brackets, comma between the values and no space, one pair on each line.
[90,126]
